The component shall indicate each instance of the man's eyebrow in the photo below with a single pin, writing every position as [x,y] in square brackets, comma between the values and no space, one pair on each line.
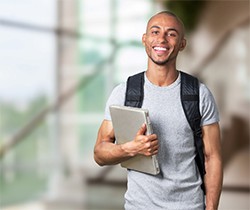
[158,27]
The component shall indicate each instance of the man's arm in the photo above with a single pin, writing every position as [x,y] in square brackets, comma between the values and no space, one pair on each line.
[106,152]
[213,164]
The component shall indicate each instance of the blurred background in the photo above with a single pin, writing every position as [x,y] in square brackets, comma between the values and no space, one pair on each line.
[60,59]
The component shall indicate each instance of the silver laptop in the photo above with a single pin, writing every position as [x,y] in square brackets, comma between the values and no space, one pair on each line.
[126,122]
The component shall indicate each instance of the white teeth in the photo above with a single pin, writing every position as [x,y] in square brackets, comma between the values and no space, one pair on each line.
[160,48]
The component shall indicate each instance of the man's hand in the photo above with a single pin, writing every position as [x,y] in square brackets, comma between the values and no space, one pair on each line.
[142,144]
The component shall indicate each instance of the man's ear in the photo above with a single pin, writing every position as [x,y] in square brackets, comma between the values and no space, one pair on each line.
[183,44]
[144,39]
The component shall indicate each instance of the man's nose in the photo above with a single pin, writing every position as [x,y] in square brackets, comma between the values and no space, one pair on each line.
[163,38]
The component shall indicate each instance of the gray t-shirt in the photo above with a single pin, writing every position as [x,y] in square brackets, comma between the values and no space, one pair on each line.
[177,187]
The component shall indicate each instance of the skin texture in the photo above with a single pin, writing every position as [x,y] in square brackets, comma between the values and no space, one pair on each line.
[163,40]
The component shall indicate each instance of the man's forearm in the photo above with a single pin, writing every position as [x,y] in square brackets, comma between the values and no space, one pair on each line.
[213,182]
[110,154]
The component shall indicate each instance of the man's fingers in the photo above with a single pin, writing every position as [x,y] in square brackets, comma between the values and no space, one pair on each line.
[142,129]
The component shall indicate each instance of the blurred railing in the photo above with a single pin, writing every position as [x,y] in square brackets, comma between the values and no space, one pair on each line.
[33,123]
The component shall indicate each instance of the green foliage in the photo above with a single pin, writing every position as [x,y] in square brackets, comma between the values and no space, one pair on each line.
[19,178]
[13,118]
[90,57]
[24,186]
[91,97]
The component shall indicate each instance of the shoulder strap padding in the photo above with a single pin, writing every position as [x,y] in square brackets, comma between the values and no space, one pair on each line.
[135,90]
[190,99]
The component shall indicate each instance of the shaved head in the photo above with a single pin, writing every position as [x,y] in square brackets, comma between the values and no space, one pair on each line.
[171,14]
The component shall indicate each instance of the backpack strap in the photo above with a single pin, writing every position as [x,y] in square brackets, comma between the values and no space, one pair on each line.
[135,90]
[190,104]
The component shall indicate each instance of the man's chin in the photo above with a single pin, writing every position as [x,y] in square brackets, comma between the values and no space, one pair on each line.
[161,63]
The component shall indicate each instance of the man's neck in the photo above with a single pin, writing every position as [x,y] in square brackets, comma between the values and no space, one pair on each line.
[162,75]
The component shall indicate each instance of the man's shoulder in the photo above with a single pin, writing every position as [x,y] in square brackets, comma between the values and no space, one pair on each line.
[119,88]
[204,90]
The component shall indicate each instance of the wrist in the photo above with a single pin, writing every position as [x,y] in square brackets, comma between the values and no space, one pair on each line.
[211,207]
[127,150]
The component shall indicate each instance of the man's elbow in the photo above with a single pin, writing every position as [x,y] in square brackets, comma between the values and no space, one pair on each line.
[213,160]
[97,158]
[99,161]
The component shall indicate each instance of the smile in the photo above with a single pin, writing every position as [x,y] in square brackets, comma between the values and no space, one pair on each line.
[160,48]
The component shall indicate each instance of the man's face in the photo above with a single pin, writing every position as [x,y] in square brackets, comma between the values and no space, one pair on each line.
[163,39]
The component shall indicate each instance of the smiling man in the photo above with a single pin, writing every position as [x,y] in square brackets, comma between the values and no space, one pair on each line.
[178,185]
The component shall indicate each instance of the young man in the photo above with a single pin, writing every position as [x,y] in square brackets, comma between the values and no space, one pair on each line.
[178,184]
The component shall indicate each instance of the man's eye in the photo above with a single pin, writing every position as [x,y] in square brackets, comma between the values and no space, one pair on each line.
[172,34]
[155,32]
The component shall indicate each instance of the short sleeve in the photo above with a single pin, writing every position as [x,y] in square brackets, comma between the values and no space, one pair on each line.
[117,97]
[208,108]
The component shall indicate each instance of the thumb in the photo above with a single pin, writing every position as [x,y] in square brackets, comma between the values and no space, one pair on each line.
[142,129]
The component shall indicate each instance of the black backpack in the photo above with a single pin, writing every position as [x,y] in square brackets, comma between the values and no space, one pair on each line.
[190,103]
